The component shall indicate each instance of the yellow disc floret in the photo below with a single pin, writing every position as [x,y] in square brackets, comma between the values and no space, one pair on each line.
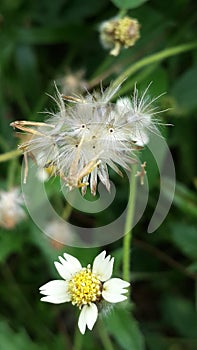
[127,31]
[84,288]
[119,32]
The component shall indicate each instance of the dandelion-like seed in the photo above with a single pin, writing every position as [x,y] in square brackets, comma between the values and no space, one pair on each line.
[85,287]
[11,210]
[88,135]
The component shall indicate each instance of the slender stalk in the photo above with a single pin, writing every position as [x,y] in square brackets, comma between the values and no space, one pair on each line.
[104,337]
[128,225]
[11,173]
[78,340]
[122,13]
[10,155]
[156,57]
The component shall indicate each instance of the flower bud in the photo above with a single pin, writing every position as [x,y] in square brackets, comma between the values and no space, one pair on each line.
[117,33]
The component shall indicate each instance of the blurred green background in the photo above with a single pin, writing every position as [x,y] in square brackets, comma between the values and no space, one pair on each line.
[42,41]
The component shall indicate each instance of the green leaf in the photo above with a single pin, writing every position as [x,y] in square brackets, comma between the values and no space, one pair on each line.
[155,341]
[10,242]
[124,328]
[128,4]
[180,314]
[10,340]
[27,71]
[185,90]
[20,340]
[184,199]
[185,237]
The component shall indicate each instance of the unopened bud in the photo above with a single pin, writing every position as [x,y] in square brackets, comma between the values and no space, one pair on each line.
[117,33]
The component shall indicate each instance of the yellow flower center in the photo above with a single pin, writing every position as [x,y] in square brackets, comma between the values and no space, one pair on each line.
[84,288]
[127,31]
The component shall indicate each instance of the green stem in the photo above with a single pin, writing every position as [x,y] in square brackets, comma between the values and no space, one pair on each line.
[156,57]
[122,13]
[104,337]
[78,340]
[11,173]
[10,155]
[128,225]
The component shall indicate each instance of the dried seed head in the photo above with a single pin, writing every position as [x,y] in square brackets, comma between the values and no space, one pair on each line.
[81,140]
[11,210]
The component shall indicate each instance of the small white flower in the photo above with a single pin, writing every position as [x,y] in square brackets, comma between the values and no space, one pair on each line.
[11,210]
[85,287]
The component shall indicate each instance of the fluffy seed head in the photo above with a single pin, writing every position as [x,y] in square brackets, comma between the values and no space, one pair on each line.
[88,135]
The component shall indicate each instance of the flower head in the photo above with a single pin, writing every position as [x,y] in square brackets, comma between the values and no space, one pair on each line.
[119,32]
[85,287]
[11,210]
[85,137]
[72,82]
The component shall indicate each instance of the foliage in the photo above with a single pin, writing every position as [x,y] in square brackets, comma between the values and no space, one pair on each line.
[41,41]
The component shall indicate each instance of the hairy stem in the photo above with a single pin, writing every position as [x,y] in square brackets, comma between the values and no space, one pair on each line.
[156,57]
[128,225]
[10,155]
[104,337]
[78,340]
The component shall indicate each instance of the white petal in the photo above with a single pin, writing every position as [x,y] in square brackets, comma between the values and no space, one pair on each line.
[56,292]
[116,284]
[55,299]
[56,287]
[67,268]
[113,290]
[102,266]
[113,298]
[88,316]
[73,261]
[81,321]
[62,270]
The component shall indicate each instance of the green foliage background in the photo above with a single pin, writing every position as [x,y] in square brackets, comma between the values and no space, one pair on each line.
[40,41]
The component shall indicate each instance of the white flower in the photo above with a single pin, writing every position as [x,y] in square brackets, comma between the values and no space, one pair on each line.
[83,139]
[85,287]
[11,211]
